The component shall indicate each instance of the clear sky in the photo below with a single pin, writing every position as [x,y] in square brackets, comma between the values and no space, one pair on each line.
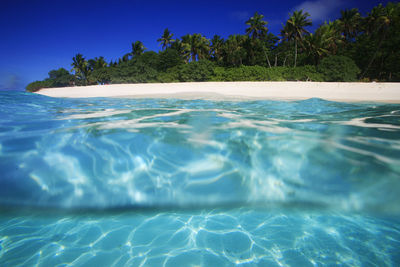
[40,35]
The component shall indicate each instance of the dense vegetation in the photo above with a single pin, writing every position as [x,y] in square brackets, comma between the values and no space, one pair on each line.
[351,48]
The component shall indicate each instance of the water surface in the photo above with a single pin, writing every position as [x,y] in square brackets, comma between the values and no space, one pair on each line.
[177,182]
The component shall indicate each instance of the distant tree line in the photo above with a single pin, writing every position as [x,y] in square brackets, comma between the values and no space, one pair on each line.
[351,48]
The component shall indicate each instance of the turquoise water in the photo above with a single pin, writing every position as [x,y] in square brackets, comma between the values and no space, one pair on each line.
[166,182]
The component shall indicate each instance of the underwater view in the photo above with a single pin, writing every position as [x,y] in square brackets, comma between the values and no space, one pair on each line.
[169,182]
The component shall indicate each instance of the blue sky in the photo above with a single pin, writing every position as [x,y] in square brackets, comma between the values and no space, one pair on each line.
[38,36]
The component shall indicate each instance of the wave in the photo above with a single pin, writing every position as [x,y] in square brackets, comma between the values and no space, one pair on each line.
[163,153]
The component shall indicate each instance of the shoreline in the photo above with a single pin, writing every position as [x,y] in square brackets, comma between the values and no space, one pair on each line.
[332,91]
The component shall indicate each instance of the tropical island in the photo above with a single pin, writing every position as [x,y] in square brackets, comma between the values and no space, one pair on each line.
[352,48]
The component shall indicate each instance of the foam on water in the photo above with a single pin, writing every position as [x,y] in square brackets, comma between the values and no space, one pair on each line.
[268,183]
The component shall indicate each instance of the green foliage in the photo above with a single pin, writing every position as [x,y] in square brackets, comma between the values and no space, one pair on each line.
[259,73]
[168,59]
[149,58]
[198,45]
[97,63]
[57,78]
[216,49]
[338,69]
[234,50]
[257,27]
[349,23]
[60,78]
[326,40]
[303,73]
[242,73]
[182,48]
[81,68]
[334,52]
[376,50]
[137,49]
[37,85]
[197,71]
[294,29]
[133,72]
[166,39]
[170,76]
[102,76]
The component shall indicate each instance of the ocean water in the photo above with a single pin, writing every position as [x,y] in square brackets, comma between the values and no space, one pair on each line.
[168,182]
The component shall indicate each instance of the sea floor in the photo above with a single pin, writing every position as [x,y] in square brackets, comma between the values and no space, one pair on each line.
[228,237]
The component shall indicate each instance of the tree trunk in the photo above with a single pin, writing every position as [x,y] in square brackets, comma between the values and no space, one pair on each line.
[266,55]
[295,52]
[373,57]
[269,63]
[276,60]
[252,57]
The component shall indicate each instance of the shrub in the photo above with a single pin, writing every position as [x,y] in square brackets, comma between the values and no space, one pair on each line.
[338,69]
[133,72]
[219,74]
[303,73]
[242,73]
[276,73]
[102,75]
[57,78]
[197,71]
[168,59]
[60,78]
[170,76]
[148,58]
[37,85]
[259,73]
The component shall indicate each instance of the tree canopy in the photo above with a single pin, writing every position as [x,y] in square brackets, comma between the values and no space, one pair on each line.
[365,46]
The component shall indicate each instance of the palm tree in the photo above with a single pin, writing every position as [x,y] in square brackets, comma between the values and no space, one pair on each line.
[203,46]
[199,45]
[287,34]
[377,23]
[216,47]
[378,19]
[257,30]
[257,27]
[349,23]
[97,63]
[113,63]
[294,29]
[137,48]
[325,41]
[166,39]
[80,67]
[182,48]
[268,44]
[125,58]
[234,50]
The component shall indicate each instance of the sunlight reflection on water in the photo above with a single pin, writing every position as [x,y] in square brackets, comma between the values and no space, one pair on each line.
[262,183]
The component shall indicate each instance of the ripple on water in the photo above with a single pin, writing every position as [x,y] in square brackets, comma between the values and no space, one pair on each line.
[226,237]
[309,166]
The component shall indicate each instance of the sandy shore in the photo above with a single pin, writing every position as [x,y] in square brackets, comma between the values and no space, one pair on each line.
[350,92]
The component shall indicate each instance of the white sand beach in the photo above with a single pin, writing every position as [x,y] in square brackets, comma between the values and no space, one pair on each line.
[350,92]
